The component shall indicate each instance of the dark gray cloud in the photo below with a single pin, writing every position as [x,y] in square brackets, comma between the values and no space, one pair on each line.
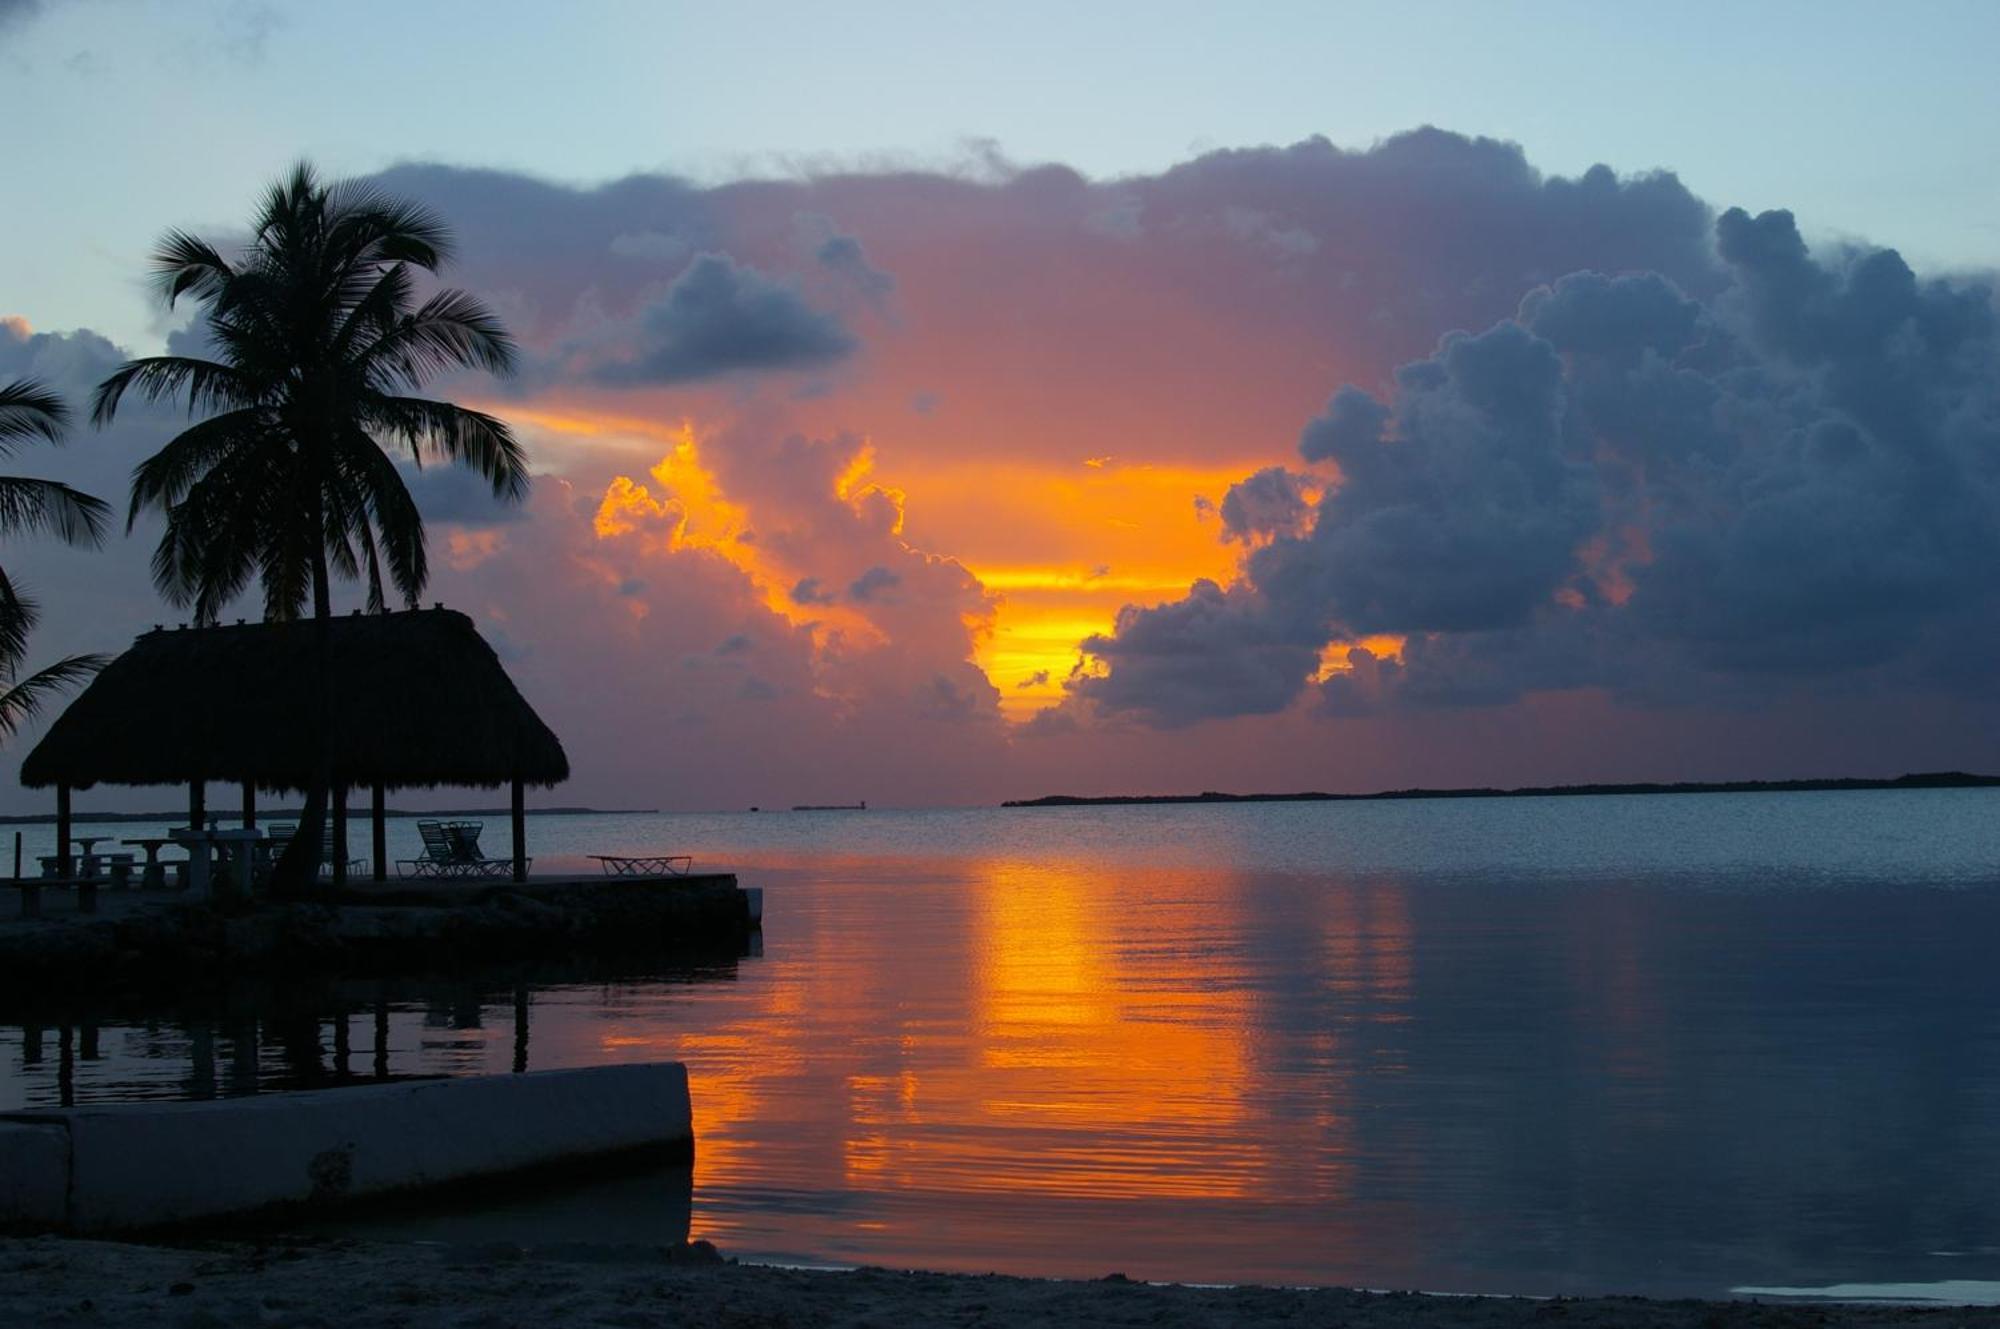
[1792,482]
[871,584]
[1270,502]
[1216,653]
[722,317]
[842,255]
[809,592]
[1466,518]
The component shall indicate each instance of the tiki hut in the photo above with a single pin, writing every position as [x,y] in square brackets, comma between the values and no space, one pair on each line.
[418,700]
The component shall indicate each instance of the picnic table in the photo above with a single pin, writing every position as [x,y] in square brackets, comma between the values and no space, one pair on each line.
[154,876]
[236,848]
[644,865]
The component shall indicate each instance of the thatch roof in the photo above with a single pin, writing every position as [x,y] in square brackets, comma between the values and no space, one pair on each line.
[419,699]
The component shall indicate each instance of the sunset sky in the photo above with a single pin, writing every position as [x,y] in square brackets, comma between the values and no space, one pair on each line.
[930,405]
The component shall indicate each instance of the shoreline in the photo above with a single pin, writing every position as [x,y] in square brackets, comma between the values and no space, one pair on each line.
[1840,784]
[345,1282]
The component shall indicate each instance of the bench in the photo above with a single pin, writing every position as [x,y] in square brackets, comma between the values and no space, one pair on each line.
[31,892]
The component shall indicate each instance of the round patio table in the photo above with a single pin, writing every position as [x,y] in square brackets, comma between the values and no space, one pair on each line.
[154,877]
[87,864]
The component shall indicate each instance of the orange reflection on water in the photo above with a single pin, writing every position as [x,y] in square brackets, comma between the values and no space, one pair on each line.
[1006,1034]
[1093,1066]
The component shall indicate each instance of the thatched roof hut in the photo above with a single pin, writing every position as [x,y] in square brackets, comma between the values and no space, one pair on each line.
[418,700]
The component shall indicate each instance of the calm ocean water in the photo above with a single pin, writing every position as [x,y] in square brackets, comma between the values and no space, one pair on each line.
[1663,1044]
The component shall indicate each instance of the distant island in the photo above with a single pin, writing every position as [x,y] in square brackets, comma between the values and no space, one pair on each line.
[224,812]
[1928,780]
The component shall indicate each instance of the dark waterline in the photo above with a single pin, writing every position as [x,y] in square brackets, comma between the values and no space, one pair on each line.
[1061,1052]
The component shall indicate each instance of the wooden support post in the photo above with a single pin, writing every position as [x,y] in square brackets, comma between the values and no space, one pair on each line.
[520,831]
[197,806]
[249,805]
[381,836]
[339,851]
[65,865]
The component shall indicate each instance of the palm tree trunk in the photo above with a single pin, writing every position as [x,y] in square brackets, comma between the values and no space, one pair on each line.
[297,870]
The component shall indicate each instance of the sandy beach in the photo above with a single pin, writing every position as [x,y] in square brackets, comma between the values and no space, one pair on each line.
[53,1281]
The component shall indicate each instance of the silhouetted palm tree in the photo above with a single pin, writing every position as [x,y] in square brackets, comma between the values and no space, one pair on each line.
[30,411]
[319,339]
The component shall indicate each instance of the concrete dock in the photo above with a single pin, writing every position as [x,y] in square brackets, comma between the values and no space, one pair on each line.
[140,938]
[138,1166]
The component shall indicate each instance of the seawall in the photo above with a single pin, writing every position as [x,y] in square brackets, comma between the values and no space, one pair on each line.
[137,1166]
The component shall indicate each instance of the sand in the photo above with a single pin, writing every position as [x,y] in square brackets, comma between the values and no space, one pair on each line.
[354,1285]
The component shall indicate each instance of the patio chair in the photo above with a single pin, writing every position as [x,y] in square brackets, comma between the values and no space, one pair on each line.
[451,849]
[279,837]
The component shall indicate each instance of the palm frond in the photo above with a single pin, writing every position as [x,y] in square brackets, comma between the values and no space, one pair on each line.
[25,697]
[28,409]
[369,226]
[395,514]
[185,264]
[379,308]
[207,384]
[17,619]
[452,330]
[164,478]
[457,433]
[73,516]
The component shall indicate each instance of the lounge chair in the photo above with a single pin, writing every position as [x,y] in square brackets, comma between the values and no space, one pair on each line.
[279,838]
[451,849]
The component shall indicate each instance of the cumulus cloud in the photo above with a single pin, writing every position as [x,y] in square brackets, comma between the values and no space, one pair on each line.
[1215,653]
[1668,459]
[1270,502]
[722,317]
[1465,518]
[1625,486]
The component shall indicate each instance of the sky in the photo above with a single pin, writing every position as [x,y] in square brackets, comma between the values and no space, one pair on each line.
[934,409]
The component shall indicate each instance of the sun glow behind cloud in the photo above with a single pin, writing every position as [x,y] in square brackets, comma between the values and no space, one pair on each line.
[1061,549]
[1066,546]
[684,510]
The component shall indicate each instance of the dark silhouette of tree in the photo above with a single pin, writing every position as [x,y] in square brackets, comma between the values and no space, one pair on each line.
[319,339]
[29,411]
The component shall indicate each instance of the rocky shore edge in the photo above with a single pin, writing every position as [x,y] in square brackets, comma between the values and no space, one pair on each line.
[355,1284]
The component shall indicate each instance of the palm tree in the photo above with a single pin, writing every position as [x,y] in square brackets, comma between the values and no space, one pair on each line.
[30,411]
[319,342]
